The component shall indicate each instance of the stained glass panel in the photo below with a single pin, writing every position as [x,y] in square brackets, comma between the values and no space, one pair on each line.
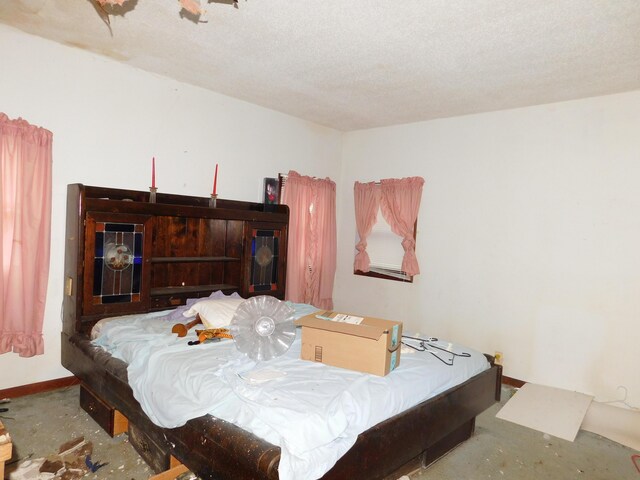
[264,260]
[117,262]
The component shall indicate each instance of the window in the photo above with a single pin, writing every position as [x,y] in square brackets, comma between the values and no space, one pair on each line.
[386,219]
[311,257]
[25,201]
[385,253]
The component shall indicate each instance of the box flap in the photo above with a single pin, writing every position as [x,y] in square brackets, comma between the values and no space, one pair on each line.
[365,330]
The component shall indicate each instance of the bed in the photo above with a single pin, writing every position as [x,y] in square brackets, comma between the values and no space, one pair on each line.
[125,255]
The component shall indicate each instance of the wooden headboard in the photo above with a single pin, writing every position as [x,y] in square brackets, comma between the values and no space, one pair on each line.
[127,255]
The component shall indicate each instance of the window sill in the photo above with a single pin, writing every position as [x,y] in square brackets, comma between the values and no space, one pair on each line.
[391,275]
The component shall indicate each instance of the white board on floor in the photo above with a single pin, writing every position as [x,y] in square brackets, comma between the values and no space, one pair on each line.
[616,423]
[547,409]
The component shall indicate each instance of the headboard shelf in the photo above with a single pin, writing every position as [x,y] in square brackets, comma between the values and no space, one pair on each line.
[192,289]
[125,255]
[131,201]
[193,259]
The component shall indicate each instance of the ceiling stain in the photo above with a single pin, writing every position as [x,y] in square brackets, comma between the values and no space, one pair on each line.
[357,65]
[111,53]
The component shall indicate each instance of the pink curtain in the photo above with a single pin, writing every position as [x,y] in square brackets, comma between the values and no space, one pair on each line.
[367,203]
[25,180]
[400,202]
[311,256]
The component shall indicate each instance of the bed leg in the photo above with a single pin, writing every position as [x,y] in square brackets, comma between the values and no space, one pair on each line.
[499,383]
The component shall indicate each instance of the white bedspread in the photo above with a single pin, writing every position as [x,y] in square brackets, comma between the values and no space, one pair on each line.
[313,412]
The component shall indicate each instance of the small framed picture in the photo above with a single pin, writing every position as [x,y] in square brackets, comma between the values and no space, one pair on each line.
[271,191]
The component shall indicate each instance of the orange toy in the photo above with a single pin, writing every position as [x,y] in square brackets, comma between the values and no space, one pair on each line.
[213,333]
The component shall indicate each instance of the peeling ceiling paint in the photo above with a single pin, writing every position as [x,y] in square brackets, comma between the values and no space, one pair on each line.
[364,63]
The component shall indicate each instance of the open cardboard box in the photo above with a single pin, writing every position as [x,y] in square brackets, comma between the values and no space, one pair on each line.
[365,344]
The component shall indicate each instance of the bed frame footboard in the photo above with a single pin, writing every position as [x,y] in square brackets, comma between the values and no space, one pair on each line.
[422,434]
[215,449]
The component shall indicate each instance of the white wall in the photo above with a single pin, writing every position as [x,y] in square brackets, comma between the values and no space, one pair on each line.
[529,231]
[528,238]
[109,119]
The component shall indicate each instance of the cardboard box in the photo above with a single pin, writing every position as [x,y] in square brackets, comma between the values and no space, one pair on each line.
[365,344]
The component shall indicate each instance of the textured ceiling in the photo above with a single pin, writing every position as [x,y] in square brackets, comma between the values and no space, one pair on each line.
[365,63]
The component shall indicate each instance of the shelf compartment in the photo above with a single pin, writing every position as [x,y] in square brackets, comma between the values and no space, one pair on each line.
[172,297]
[191,289]
[193,259]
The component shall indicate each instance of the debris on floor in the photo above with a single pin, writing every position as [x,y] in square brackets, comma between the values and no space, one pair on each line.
[72,462]
[187,476]
[4,409]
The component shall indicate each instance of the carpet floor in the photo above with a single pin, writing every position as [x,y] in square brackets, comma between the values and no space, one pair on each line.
[39,424]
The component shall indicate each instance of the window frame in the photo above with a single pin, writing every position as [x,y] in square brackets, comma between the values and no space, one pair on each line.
[389,276]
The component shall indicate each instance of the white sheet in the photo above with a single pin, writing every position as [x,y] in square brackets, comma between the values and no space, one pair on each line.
[313,412]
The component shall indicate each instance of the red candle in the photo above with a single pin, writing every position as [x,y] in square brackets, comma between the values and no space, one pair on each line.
[153,172]
[215,181]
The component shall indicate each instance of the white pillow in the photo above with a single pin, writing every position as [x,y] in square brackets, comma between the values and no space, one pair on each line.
[215,313]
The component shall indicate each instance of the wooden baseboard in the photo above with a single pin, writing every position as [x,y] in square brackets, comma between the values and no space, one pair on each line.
[514,382]
[38,387]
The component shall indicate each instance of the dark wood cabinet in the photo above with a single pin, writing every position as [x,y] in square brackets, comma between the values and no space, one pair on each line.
[110,419]
[140,256]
